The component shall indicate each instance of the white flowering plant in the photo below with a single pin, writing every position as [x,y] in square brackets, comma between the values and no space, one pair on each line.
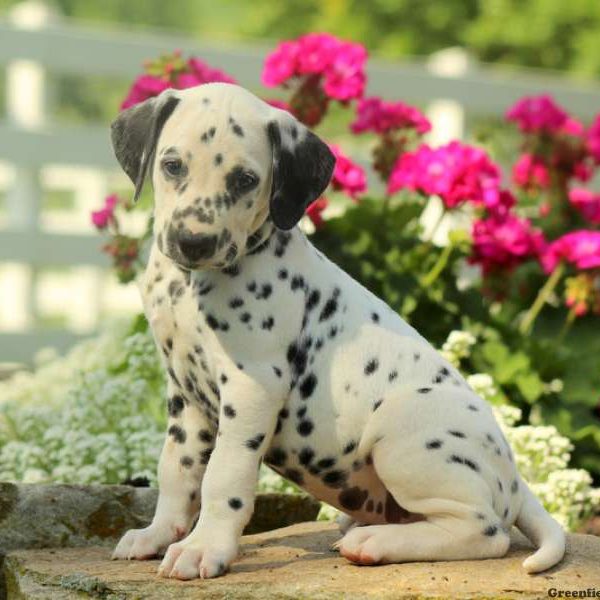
[98,416]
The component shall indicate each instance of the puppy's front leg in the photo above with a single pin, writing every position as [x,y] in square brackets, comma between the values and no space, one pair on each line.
[189,441]
[246,424]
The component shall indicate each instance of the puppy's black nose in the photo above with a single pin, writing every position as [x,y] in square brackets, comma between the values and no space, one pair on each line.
[196,247]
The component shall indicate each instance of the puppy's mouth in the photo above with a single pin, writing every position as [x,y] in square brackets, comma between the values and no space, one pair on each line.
[222,258]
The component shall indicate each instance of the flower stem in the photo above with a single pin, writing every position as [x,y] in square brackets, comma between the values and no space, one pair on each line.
[542,297]
[571,316]
[439,266]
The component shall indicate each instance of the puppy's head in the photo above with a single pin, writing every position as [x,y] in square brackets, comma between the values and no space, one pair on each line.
[222,163]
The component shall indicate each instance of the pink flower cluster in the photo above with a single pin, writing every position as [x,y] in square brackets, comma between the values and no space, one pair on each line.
[378,116]
[593,140]
[196,72]
[101,218]
[587,203]
[535,114]
[455,172]
[501,243]
[580,248]
[531,173]
[348,177]
[338,62]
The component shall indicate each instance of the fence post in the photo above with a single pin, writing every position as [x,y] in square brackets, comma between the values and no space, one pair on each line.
[26,108]
[448,120]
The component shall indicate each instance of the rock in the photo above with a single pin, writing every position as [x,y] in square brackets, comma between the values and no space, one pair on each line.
[59,516]
[296,562]
[45,516]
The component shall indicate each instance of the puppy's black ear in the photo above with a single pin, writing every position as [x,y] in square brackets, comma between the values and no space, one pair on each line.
[302,167]
[135,133]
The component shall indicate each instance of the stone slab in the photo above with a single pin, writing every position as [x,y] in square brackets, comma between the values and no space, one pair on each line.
[296,562]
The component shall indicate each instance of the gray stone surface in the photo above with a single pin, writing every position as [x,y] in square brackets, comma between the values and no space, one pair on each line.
[61,516]
[296,562]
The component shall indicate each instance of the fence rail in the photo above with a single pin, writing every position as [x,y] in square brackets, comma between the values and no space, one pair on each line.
[68,48]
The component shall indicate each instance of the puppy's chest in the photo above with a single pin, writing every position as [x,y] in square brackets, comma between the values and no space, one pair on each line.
[182,336]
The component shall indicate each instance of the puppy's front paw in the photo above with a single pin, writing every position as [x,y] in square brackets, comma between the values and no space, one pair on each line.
[142,544]
[192,558]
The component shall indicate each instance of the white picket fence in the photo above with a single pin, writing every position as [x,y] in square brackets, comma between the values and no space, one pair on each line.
[37,155]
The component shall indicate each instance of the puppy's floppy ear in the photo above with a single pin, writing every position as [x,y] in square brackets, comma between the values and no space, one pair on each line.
[302,167]
[135,133]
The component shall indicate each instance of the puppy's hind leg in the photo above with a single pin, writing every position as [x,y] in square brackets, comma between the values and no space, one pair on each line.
[452,500]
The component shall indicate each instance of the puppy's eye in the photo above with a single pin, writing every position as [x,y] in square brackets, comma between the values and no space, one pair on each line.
[246,180]
[172,166]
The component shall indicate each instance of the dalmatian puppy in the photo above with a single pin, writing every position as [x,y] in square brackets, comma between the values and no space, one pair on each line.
[275,354]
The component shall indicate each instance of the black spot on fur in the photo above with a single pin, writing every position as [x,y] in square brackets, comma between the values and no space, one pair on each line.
[282,274]
[464,461]
[205,436]
[175,405]
[393,375]
[255,442]
[490,531]
[377,404]
[514,486]
[186,462]
[306,456]
[458,434]
[473,408]
[434,444]
[236,302]
[205,456]
[349,447]
[276,457]
[335,479]
[235,503]
[326,463]
[229,411]
[371,366]
[305,427]
[313,299]
[424,390]
[177,433]
[218,159]
[330,307]
[268,323]
[277,371]
[353,498]
[308,385]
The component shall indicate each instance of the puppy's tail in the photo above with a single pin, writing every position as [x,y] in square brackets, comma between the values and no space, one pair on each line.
[543,531]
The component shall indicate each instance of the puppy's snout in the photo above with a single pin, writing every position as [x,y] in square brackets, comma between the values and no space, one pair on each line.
[196,247]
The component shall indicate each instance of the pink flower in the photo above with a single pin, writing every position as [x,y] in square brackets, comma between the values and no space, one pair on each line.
[580,248]
[316,52]
[187,80]
[281,64]
[206,74]
[593,139]
[144,87]
[336,64]
[345,77]
[455,172]
[536,114]
[347,175]
[101,218]
[502,243]
[378,116]
[587,203]
[315,210]
[530,172]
